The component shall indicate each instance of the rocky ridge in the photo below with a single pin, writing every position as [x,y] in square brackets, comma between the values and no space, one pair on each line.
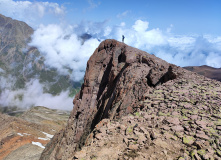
[134,105]
[164,128]
[207,71]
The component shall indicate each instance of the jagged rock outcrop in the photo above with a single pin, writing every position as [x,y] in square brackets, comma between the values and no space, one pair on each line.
[141,103]
[116,78]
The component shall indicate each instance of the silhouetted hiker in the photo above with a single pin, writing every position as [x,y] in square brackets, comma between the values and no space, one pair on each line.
[123,38]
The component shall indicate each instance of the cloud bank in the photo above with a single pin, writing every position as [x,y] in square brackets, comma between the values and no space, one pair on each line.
[31,12]
[60,44]
[62,48]
[33,95]
[182,50]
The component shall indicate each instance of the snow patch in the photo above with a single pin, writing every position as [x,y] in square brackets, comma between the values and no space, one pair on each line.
[38,144]
[26,134]
[20,134]
[45,139]
[48,135]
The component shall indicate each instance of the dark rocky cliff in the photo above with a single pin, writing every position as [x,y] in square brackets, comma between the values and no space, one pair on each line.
[122,80]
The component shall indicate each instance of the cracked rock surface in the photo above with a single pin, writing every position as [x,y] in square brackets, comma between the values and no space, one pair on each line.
[134,105]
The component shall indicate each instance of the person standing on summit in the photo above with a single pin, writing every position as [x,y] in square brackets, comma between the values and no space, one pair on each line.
[123,38]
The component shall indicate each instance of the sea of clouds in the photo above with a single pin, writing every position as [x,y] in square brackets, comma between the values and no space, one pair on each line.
[62,47]
[32,95]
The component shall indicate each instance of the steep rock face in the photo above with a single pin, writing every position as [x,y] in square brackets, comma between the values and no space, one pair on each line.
[115,81]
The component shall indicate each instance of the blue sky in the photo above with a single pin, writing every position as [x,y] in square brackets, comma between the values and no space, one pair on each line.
[186,16]
[182,32]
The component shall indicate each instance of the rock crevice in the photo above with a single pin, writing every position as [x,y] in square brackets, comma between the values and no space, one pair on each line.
[119,79]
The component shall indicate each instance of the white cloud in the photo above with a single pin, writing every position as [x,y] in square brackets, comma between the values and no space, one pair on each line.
[170,28]
[62,49]
[33,95]
[122,24]
[97,29]
[61,46]
[140,26]
[32,13]
[2,71]
[124,14]
[92,5]
[107,31]
[214,59]
[182,50]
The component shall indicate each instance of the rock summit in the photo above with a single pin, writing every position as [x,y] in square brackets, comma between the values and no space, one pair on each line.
[148,107]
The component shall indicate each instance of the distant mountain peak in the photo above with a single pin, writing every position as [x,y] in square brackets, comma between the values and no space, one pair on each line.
[14,30]
[20,63]
[207,71]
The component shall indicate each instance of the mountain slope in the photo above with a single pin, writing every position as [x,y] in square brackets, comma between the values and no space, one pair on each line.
[13,33]
[21,63]
[137,99]
[207,71]
[21,137]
